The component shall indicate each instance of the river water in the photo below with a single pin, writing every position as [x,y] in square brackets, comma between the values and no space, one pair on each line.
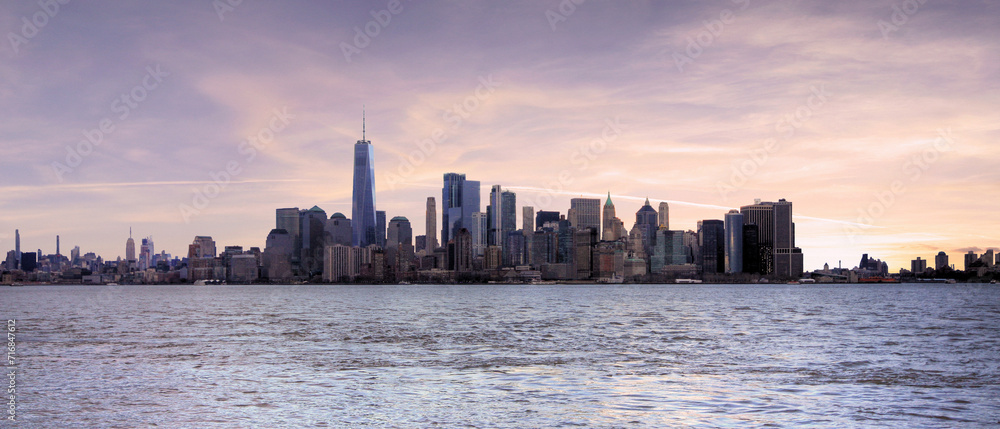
[506,356]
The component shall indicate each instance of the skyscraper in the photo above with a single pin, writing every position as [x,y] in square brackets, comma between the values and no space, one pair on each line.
[130,248]
[734,242]
[647,221]
[528,219]
[776,237]
[363,201]
[288,220]
[479,230]
[712,242]
[608,220]
[459,200]
[338,230]
[431,224]
[542,217]
[17,247]
[380,228]
[941,261]
[663,215]
[585,213]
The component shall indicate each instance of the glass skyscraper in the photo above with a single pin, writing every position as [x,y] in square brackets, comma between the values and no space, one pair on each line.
[459,200]
[363,202]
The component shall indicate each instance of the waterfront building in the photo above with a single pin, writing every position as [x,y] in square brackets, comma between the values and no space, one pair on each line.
[363,197]
[459,200]
[941,261]
[734,242]
[430,230]
[585,213]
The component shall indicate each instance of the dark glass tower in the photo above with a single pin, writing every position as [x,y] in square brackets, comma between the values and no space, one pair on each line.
[363,202]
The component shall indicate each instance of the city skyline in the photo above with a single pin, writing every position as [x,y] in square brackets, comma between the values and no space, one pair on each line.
[860,118]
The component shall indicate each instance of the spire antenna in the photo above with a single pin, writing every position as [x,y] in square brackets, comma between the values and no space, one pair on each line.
[363,122]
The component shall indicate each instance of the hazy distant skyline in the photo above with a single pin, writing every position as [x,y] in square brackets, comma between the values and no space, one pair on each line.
[643,99]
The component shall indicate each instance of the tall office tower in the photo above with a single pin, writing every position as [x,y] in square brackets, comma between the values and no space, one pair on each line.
[399,233]
[202,247]
[669,250]
[363,201]
[646,220]
[988,258]
[584,240]
[712,241]
[734,242]
[528,219]
[564,242]
[527,229]
[17,247]
[918,266]
[338,230]
[514,249]
[776,237]
[542,217]
[145,253]
[130,248]
[277,258]
[313,230]
[941,261]
[751,249]
[585,213]
[502,213]
[463,254]
[663,215]
[380,227]
[970,258]
[74,255]
[459,200]
[288,220]
[479,231]
[608,221]
[431,224]
[493,213]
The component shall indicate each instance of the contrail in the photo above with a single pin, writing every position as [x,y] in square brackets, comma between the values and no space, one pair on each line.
[681,203]
[136,184]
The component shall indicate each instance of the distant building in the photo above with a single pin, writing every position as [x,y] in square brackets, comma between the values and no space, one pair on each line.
[380,229]
[663,215]
[941,261]
[431,224]
[776,237]
[459,200]
[289,220]
[338,230]
[970,258]
[647,223]
[542,217]
[918,265]
[608,230]
[340,263]
[363,197]
[585,213]
[479,230]
[130,250]
[734,242]
[243,268]
[276,260]
[712,241]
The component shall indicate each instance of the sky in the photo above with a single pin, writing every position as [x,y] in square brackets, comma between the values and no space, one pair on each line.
[878,120]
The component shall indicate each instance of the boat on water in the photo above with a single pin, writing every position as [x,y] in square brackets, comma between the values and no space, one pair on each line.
[687,281]
[16,284]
